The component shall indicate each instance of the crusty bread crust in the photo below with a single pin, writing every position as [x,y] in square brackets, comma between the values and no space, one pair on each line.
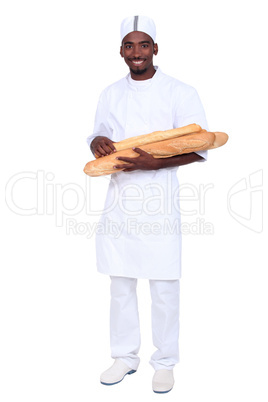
[184,143]
[156,136]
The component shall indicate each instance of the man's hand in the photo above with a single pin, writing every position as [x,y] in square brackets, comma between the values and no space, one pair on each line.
[144,161]
[102,146]
[147,162]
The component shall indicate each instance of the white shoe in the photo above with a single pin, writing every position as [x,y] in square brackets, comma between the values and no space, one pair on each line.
[115,373]
[163,381]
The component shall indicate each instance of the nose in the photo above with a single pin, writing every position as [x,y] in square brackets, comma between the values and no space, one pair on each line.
[136,51]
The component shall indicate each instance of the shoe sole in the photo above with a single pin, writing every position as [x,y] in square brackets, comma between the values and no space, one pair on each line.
[117,382]
[162,392]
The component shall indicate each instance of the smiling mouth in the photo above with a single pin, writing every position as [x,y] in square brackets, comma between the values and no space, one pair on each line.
[137,62]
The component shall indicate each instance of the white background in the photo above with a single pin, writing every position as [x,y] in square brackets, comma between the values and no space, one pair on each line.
[56,57]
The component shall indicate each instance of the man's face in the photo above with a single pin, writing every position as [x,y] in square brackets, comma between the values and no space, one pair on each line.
[137,50]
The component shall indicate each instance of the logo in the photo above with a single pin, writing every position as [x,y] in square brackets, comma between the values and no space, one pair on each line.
[245,201]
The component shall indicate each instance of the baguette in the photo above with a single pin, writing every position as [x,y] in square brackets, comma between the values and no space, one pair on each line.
[220,140]
[162,149]
[156,136]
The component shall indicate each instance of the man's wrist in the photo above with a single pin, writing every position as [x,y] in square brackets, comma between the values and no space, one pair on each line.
[177,160]
[158,163]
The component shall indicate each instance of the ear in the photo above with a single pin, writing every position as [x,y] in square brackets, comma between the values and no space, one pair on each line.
[155,49]
[121,51]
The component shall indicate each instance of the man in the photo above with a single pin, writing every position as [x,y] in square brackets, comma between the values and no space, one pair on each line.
[141,208]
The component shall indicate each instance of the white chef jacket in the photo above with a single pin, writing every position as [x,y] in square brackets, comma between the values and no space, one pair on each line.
[138,235]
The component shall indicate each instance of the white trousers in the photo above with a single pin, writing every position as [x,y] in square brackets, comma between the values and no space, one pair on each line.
[125,328]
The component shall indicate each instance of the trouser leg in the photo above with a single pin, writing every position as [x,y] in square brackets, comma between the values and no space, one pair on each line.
[124,321]
[165,323]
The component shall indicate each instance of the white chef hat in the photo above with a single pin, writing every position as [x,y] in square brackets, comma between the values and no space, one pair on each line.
[138,23]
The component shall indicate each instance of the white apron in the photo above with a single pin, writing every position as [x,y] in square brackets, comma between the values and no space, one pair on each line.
[139,230]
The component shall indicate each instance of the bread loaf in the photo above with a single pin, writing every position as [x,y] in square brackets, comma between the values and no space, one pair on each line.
[194,142]
[156,136]
[181,145]
[220,140]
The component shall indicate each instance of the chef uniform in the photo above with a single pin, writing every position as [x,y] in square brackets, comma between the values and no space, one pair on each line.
[139,230]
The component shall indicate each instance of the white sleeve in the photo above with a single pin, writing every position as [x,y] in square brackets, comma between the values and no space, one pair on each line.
[191,111]
[100,124]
